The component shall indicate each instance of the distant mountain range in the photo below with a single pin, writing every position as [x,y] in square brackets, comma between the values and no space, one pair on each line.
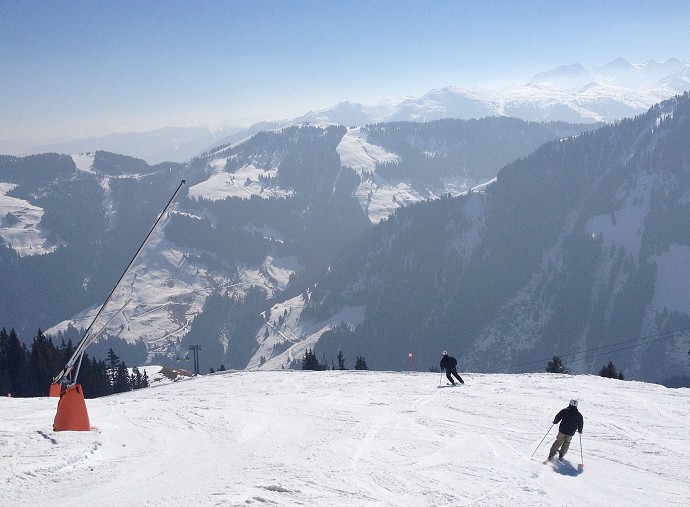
[257,217]
[504,240]
[572,93]
[166,144]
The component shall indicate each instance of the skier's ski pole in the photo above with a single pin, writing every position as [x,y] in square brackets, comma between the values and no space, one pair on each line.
[440,380]
[582,459]
[541,441]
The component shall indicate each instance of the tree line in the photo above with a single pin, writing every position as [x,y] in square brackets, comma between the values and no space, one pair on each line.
[28,371]
[311,362]
[556,365]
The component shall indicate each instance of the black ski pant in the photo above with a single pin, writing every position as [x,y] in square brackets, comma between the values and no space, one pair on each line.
[450,378]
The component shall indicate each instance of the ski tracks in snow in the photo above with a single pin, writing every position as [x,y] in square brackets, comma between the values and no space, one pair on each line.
[349,439]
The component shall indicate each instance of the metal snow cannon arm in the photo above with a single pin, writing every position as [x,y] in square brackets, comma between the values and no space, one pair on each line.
[62,379]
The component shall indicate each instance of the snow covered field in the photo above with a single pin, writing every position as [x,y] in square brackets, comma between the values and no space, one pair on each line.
[352,438]
[20,224]
[378,196]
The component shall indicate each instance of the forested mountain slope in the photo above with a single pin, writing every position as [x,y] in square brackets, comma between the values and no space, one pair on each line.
[579,250]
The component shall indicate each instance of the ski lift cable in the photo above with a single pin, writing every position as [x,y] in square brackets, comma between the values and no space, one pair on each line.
[628,347]
[641,340]
[85,341]
[635,343]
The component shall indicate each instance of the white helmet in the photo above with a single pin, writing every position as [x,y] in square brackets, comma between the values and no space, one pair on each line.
[573,403]
[445,352]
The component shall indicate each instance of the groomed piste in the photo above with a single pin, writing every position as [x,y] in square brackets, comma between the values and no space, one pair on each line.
[349,438]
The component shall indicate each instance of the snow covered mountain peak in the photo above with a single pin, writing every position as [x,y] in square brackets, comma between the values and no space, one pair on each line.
[568,93]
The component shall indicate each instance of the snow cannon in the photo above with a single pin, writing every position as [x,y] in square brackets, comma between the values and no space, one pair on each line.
[71,411]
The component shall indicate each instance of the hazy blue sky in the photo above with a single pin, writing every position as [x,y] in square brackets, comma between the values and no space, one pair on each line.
[78,68]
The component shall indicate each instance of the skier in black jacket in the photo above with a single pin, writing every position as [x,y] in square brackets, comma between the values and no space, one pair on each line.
[571,420]
[449,363]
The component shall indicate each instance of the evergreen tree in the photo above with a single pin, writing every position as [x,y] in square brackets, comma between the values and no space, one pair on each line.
[122,379]
[113,362]
[44,363]
[66,351]
[136,379]
[18,366]
[310,362]
[556,366]
[5,383]
[341,360]
[610,371]
[94,378]
[361,364]
[29,372]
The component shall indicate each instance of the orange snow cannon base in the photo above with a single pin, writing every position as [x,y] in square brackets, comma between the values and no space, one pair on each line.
[55,390]
[71,411]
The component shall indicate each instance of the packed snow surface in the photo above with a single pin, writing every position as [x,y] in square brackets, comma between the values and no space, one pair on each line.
[352,438]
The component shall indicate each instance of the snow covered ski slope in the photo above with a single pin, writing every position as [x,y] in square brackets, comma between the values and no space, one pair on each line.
[352,439]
